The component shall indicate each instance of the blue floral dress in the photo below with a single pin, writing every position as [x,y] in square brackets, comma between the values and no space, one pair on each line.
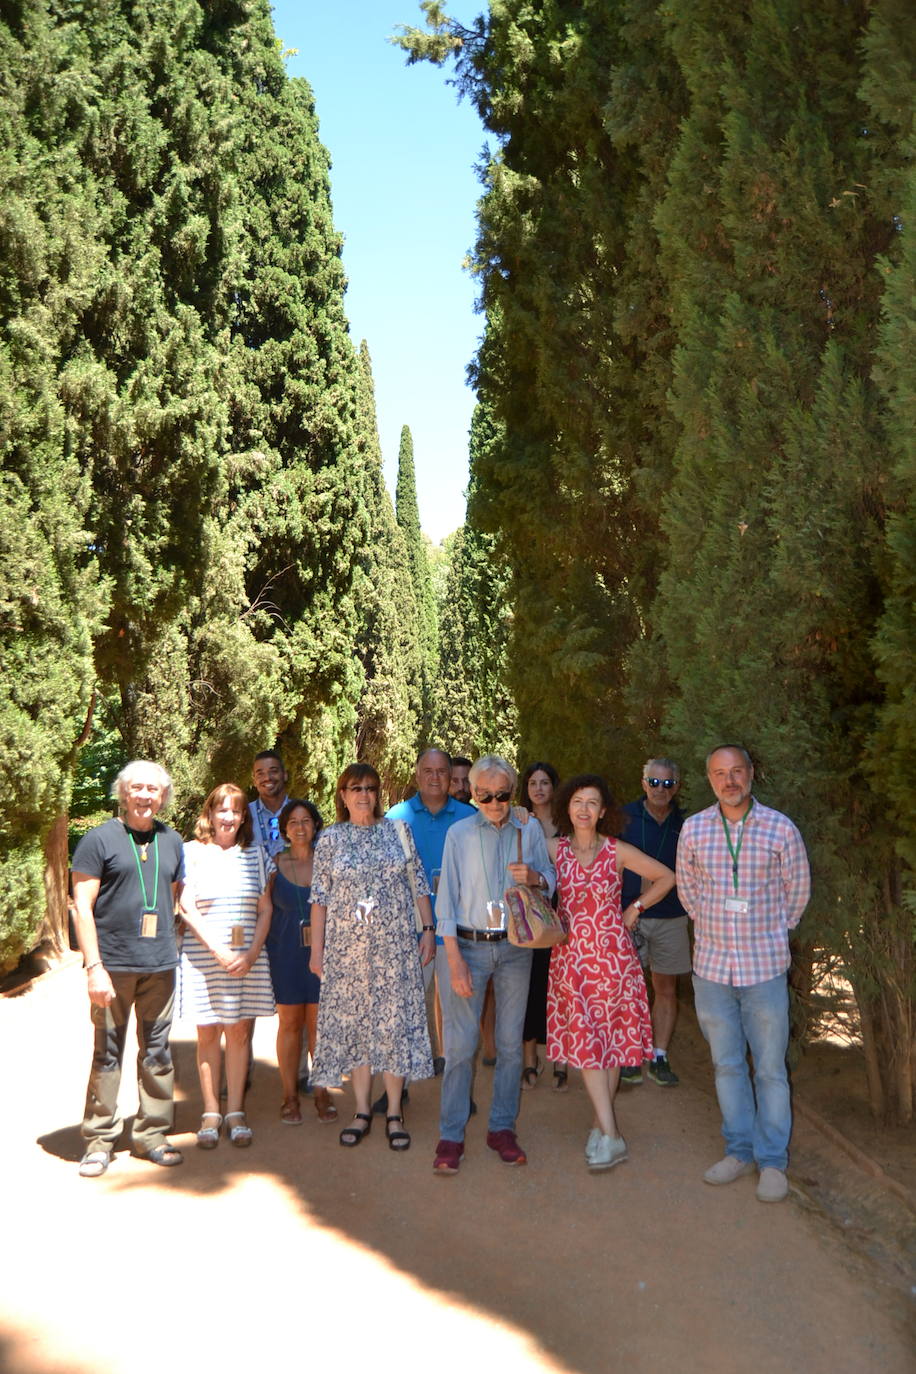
[372,1009]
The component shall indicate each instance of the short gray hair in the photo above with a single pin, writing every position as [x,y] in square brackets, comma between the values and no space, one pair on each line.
[493,763]
[128,773]
[736,748]
[661,762]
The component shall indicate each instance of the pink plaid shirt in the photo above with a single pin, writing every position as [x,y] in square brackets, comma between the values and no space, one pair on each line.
[773,878]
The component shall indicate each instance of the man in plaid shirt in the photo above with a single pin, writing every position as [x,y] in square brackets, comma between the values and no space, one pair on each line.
[742,876]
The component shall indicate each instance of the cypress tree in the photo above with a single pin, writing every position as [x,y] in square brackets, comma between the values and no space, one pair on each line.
[408,517]
[388,638]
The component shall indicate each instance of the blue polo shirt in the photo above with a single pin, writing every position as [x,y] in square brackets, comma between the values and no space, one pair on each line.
[429,830]
[659,842]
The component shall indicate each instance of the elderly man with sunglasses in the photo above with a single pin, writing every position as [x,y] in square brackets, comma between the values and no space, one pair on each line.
[653,825]
[479,862]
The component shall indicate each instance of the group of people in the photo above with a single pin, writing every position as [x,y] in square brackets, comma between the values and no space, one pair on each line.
[369,933]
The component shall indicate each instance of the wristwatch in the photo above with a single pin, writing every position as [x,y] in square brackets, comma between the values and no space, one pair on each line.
[639,906]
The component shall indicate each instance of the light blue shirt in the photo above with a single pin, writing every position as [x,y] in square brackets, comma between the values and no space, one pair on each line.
[266,826]
[475,868]
[429,829]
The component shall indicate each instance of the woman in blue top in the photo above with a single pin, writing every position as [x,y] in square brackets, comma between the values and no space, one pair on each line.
[296,988]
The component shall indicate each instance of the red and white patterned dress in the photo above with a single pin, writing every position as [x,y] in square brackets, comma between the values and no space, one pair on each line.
[597,1009]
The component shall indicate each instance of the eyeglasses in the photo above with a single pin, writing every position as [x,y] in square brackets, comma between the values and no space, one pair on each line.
[363,787]
[486,797]
[662,782]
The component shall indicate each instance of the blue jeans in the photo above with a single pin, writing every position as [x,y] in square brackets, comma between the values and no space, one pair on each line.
[510,969]
[731,1019]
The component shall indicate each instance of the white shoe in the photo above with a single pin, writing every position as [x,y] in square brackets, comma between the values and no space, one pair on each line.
[773,1186]
[609,1150]
[728,1169]
[594,1136]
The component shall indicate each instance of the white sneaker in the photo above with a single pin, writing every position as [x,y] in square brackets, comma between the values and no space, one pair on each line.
[594,1136]
[609,1150]
[728,1169]
[773,1186]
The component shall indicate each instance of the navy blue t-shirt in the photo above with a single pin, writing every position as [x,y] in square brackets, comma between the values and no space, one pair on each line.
[659,842]
[106,853]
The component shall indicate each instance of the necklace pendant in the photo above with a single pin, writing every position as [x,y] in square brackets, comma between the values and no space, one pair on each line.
[143,853]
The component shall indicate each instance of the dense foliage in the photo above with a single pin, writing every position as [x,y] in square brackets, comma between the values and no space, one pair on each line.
[193,527]
[696,266]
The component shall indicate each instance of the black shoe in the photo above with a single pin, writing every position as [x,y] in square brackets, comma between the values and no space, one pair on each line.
[380,1105]
[661,1072]
[630,1076]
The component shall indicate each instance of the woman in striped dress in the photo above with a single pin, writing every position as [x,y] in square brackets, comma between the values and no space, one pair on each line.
[224,977]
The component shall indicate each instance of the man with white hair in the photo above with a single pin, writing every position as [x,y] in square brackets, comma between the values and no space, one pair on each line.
[479,862]
[126,877]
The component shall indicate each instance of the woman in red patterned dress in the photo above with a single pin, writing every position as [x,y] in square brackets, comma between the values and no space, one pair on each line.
[597,1010]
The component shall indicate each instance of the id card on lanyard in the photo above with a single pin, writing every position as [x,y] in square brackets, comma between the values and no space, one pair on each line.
[736,905]
[149,914]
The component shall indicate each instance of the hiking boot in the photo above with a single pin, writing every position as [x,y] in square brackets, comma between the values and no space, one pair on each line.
[448,1156]
[630,1076]
[728,1169]
[507,1147]
[773,1186]
[660,1072]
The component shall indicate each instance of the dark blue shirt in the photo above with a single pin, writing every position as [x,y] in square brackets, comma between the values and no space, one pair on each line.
[659,842]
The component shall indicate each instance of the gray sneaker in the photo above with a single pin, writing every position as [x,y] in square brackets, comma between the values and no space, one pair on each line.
[660,1072]
[728,1169]
[773,1186]
[608,1151]
[594,1136]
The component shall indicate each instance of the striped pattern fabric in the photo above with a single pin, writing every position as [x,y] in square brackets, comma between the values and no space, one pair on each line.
[226,885]
[773,877]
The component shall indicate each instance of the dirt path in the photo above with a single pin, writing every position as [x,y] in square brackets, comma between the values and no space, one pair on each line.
[297,1253]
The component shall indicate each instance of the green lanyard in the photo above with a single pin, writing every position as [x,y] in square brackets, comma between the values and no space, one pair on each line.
[148,904]
[497,896]
[735,852]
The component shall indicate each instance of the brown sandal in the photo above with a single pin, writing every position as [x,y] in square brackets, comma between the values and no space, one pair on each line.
[290,1113]
[324,1106]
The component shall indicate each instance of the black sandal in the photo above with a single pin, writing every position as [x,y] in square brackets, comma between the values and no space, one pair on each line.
[352,1135]
[397,1140]
[531,1073]
[560,1080]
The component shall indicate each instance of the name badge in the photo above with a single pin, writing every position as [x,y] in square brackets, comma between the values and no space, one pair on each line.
[237,940]
[496,915]
[149,924]
[305,935]
[738,906]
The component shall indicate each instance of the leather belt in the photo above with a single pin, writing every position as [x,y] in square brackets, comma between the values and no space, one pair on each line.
[466,933]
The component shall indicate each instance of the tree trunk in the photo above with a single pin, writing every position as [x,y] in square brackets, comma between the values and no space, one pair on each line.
[56,925]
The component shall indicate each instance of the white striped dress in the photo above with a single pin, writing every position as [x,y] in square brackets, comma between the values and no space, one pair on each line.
[225,884]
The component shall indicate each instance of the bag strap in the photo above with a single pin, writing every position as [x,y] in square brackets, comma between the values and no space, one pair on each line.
[518,836]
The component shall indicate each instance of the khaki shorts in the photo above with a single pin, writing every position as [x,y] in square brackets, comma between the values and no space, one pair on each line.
[665,946]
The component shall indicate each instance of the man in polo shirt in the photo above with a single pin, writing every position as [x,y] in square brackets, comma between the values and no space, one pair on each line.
[742,874]
[653,825]
[269,778]
[431,813]
[479,862]
[126,877]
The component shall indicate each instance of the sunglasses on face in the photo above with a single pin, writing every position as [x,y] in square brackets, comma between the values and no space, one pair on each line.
[486,797]
[661,782]
[368,787]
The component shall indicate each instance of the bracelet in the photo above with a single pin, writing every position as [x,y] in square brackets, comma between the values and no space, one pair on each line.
[639,906]
[90,967]
[426,928]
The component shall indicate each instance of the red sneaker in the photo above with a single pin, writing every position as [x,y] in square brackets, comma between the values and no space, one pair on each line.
[507,1147]
[448,1156]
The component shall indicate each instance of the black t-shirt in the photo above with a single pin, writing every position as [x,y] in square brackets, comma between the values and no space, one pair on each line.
[126,888]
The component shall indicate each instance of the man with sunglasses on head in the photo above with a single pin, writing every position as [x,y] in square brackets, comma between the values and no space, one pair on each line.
[479,862]
[269,778]
[654,825]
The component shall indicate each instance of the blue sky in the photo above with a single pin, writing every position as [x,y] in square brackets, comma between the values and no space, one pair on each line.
[403,186]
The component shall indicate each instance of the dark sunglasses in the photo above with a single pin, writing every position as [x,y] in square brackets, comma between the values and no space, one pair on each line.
[486,797]
[360,787]
[662,782]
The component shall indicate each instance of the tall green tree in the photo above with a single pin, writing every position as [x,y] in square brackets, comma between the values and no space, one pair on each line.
[408,517]
[388,644]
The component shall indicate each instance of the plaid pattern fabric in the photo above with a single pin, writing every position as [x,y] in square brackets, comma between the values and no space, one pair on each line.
[773,878]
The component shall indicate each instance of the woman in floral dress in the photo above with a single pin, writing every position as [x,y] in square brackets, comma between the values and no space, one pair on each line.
[597,1010]
[372,1013]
